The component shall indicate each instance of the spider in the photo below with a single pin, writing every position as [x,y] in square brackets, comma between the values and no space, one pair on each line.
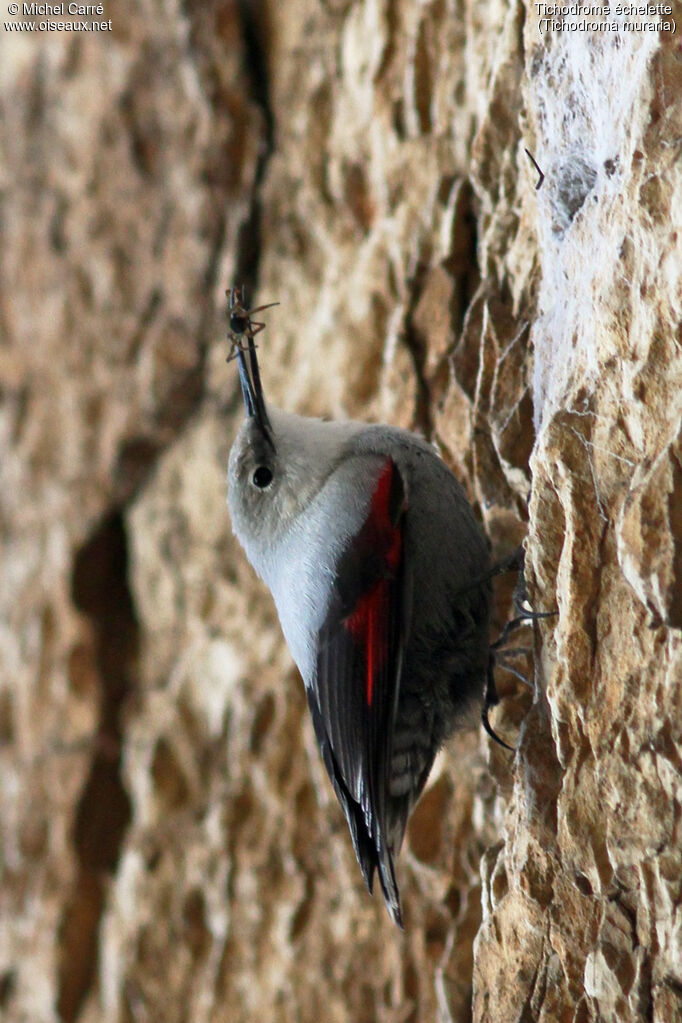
[242,328]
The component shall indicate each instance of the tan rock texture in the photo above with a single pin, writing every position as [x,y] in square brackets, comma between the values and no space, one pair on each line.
[170,846]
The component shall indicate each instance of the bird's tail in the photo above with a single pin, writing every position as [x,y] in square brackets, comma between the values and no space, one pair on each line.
[389,885]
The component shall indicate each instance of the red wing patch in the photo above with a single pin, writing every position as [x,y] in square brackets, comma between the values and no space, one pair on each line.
[382,537]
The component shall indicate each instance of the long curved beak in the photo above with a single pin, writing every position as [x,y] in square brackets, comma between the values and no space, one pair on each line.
[252,390]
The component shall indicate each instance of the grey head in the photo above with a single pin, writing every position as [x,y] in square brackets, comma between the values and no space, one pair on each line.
[278,463]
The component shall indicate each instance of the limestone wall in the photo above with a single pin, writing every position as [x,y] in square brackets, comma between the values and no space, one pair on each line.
[170,846]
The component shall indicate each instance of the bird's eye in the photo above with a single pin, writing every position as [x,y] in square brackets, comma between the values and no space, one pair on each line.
[262,477]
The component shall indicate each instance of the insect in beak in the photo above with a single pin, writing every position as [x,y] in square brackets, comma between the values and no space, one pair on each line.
[241,328]
[241,332]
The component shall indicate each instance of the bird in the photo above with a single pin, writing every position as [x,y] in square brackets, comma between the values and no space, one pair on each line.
[380,573]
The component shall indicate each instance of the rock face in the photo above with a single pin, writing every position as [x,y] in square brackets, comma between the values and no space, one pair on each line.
[171,848]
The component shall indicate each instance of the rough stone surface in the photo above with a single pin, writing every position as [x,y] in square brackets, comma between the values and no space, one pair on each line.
[170,847]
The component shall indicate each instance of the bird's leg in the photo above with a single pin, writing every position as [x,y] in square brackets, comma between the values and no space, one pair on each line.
[491,700]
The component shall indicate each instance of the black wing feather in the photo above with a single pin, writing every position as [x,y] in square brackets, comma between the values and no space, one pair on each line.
[354,697]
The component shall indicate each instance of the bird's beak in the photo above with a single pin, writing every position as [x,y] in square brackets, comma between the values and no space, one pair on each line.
[252,390]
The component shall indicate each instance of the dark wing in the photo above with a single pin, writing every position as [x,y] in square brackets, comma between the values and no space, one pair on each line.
[354,696]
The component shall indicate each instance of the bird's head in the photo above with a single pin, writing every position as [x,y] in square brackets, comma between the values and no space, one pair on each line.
[278,463]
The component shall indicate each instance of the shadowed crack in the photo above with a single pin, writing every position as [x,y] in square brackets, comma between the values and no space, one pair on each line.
[461,266]
[253,19]
[416,346]
[100,591]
